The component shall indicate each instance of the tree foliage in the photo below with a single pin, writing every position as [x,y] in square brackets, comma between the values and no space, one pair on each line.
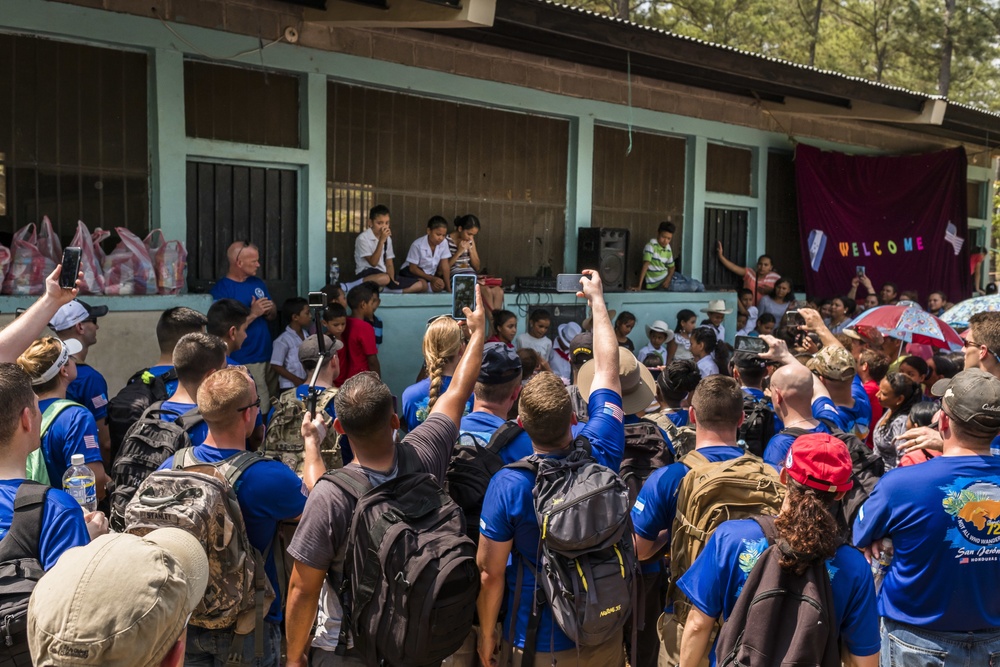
[938,47]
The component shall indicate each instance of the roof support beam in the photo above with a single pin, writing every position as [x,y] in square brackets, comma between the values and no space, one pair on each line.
[931,113]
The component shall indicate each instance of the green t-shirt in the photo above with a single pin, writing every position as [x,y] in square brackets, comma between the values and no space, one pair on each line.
[661,260]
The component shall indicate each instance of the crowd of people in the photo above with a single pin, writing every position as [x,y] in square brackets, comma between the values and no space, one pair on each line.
[547,497]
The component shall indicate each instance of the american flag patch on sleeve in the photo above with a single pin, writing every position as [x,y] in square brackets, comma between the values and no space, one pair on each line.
[99,401]
[90,441]
[615,411]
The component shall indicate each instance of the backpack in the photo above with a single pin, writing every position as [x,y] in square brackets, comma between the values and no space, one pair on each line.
[757,428]
[201,498]
[149,442]
[472,466]
[410,576]
[780,617]
[867,467]
[681,437]
[710,493]
[645,451]
[20,571]
[35,468]
[283,440]
[127,406]
[587,569]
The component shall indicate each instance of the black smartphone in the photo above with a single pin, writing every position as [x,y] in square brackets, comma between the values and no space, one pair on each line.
[463,295]
[751,344]
[317,300]
[70,267]
[569,282]
[860,270]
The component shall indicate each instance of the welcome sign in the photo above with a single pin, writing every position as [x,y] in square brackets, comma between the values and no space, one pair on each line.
[902,218]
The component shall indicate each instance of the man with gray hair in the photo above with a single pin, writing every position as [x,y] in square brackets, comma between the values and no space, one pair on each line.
[943,519]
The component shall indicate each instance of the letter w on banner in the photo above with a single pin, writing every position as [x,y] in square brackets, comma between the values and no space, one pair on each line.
[903,218]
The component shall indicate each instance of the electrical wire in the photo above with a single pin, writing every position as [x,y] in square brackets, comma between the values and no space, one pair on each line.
[249,52]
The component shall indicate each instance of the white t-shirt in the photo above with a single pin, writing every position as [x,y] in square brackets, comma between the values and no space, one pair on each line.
[707,366]
[364,247]
[424,257]
[285,353]
[543,346]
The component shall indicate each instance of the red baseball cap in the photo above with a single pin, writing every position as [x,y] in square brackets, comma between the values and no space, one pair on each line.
[820,461]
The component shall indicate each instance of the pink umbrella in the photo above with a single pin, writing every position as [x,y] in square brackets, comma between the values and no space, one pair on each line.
[909,322]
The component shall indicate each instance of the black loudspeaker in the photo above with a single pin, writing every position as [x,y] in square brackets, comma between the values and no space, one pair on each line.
[606,250]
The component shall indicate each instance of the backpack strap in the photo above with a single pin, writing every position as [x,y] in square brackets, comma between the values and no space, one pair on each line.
[766,524]
[54,410]
[503,436]
[694,459]
[238,465]
[355,484]
[36,470]
[190,419]
[21,540]
[183,458]
[407,460]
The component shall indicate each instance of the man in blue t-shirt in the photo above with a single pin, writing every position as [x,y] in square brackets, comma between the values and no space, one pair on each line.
[78,320]
[836,369]
[509,530]
[196,356]
[228,319]
[818,472]
[241,283]
[174,324]
[64,525]
[268,493]
[716,411]
[938,597]
[497,389]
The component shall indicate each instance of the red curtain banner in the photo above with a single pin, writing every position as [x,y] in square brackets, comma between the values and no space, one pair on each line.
[902,218]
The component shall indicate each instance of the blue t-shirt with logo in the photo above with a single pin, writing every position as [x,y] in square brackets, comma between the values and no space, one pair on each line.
[73,431]
[416,398]
[714,581]
[656,505]
[509,514]
[173,410]
[268,492]
[63,526]
[944,520]
[90,390]
[256,348]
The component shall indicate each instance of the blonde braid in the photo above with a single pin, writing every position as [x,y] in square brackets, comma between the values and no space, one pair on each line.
[442,342]
[437,379]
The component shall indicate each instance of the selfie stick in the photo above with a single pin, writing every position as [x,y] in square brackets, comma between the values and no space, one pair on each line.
[313,393]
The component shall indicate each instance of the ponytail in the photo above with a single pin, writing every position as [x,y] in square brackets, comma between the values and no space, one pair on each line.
[807,530]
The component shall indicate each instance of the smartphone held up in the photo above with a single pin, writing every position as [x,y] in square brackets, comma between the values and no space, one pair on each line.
[463,295]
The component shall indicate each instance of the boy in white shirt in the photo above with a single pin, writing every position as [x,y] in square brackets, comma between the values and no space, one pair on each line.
[373,255]
[285,351]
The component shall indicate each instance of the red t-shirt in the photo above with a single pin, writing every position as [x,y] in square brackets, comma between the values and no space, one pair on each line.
[754,283]
[871,388]
[359,344]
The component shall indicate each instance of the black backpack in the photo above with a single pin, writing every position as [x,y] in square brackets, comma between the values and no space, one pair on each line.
[867,467]
[757,428]
[645,451]
[20,571]
[781,618]
[142,390]
[410,575]
[149,442]
[471,468]
[586,565]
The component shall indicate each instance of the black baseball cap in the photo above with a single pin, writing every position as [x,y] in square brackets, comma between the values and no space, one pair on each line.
[500,364]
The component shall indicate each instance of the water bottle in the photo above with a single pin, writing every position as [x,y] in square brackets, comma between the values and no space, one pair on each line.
[880,565]
[79,482]
[334,272]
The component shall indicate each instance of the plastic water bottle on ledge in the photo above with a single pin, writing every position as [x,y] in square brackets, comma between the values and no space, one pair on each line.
[334,272]
[79,482]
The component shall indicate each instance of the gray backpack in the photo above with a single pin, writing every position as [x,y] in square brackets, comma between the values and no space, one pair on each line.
[587,569]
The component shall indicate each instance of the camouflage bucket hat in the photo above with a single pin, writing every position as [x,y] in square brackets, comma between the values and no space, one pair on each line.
[833,363]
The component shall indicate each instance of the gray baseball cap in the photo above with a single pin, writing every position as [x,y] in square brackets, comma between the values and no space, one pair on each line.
[973,398]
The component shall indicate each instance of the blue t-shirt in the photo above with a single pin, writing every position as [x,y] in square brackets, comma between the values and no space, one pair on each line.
[856,419]
[256,348]
[758,395]
[777,447]
[656,505]
[63,526]
[171,385]
[509,514]
[482,425]
[90,390]
[268,492]
[944,520]
[415,400]
[74,431]
[715,579]
[174,410]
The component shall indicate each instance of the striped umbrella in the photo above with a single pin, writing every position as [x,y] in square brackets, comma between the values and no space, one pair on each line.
[910,323]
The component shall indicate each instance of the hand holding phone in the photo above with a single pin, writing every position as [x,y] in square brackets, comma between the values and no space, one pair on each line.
[70,267]
[463,295]
[568,282]
[751,344]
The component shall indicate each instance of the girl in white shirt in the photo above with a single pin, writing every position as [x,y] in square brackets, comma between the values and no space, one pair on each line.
[429,257]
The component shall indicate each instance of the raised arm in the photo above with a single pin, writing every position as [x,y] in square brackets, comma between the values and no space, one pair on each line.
[23,331]
[814,323]
[605,341]
[452,402]
[732,266]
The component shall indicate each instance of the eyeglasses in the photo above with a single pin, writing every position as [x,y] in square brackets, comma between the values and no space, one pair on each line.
[255,404]
[969,343]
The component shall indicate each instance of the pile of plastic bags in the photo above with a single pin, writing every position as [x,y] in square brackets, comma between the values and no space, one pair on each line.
[136,266]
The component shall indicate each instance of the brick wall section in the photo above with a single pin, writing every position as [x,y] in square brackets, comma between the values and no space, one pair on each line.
[268,19]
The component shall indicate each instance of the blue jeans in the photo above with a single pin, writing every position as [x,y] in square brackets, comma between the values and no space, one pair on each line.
[210,648]
[909,646]
[681,283]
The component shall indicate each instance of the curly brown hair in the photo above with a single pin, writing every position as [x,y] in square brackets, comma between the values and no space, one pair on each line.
[807,529]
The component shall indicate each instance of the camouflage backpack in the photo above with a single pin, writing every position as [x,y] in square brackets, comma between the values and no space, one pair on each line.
[681,437]
[200,498]
[283,440]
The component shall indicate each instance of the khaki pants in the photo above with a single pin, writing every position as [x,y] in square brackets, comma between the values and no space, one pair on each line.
[609,654]
[670,632]
[468,654]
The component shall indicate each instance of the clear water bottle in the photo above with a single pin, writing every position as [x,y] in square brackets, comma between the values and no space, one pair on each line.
[881,564]
[79,482]
[334,272]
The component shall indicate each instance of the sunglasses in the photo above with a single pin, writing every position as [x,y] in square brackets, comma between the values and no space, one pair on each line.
[255,404]
[246,244]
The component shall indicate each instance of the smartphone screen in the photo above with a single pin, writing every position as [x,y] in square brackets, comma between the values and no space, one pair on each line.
[70,267]
[463,295]
[751,344]
[568,282]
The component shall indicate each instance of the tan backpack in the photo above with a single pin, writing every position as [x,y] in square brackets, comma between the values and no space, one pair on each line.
[713,492]
[283,440]
[681,437]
